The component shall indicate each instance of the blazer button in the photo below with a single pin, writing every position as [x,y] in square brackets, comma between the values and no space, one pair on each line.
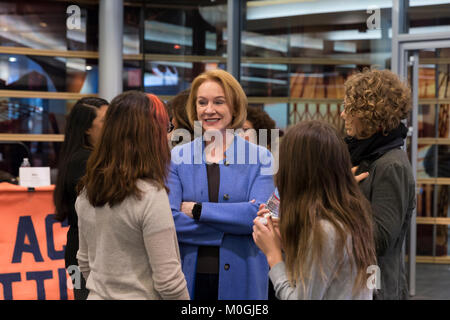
[226,196]
[227,267]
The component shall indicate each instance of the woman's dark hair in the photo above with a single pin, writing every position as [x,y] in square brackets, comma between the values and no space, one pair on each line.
[177,111]
[260,120]
[78,122]
[133,146]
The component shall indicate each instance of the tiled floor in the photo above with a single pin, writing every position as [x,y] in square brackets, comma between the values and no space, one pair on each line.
[432,282]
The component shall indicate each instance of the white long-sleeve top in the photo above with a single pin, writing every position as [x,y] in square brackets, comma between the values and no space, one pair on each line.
[336,286]
[130,251]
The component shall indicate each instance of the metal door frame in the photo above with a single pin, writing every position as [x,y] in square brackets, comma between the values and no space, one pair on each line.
[403,49]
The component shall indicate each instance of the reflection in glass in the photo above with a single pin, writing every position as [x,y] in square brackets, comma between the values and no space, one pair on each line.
[428,16]
[187,30]
[42,25]
[432,201]
[34,116]
[258,79]
[308,49]
[132,75]
[171,77]
[50,74]
[40,154]
[278,112]
[131,26]
[436,161]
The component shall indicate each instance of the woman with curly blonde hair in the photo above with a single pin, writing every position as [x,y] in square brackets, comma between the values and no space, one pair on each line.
[375,103]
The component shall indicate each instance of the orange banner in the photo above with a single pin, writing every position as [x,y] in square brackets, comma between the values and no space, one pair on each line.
[32,246]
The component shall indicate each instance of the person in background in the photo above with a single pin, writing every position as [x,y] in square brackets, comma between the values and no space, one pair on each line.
[214,197]
[443,161]
[258,119]
[128,245]
[82,132]
[375,104]
[179,118]
[7,177]
[325,226]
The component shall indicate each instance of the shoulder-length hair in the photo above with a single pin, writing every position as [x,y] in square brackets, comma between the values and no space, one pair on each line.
[234,96]
[260,119]
[133,146]
[78,122]
[315,183]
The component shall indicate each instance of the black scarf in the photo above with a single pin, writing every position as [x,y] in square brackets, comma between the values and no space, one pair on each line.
[372,148]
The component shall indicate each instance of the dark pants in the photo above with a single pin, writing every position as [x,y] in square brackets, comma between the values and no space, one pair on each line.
[271,291]
[206,287]
[70,257]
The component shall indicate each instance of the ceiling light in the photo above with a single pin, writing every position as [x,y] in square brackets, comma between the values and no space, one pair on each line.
[88,68]
[12,59]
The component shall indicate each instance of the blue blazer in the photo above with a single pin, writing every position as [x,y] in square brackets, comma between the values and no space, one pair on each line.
[245,174]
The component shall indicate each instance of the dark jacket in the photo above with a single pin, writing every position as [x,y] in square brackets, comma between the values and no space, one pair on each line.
[390,188]
[77,169]
[443,163]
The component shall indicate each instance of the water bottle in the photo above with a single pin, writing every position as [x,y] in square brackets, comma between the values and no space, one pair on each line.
[273,205]
[25,163]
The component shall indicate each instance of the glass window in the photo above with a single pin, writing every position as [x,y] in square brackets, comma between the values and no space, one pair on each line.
[132,28]
[47,25]
[187,30]
[50,74]
[306,50]
[132,75]
[40,154]
[277,112]
[434,114]
[426,208]
[171,77]
[33,116]
[428,16]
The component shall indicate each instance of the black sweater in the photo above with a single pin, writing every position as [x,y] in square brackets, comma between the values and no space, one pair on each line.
[76,170]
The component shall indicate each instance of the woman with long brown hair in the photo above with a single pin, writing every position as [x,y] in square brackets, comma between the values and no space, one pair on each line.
[128,245]
[325,223]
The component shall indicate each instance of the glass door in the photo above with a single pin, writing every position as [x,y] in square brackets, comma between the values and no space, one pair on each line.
[426,65]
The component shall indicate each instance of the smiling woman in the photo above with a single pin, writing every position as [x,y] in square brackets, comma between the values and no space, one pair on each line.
[219,103]
[220,88]
[219,258]
[212,107]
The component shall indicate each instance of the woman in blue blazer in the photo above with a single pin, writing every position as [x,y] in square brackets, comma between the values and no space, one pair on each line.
[217,183]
